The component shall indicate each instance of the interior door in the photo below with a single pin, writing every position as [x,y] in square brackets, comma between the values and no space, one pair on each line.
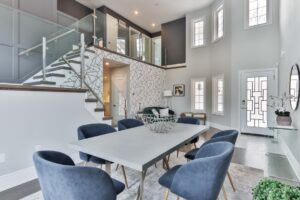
[118,94]
[256,89]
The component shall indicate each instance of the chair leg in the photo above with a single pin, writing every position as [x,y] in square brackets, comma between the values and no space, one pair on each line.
[84,164]
[125,178]
[177,153]
[195,145]
[117,167]
[224,192]
[155,165]
[231,182]
[167,194]
[169,157]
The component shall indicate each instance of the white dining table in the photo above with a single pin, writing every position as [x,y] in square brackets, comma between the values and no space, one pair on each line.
[138,148]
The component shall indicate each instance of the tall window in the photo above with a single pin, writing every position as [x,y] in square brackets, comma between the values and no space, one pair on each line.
[198,95]
[218,94]
[197,32]
[219,22]
[258,12]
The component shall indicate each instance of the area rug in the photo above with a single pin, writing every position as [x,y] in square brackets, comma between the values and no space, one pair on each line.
[245,178]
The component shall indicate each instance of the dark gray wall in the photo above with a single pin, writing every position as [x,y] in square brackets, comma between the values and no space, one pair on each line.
[173,41]
[73,8]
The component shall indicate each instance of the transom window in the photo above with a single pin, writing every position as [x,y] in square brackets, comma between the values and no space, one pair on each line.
[258,12]
[198,32]
[218,94]
[219,22]
[198,95]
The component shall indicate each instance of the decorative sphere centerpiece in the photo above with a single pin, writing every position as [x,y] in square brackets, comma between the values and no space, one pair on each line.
[159,124]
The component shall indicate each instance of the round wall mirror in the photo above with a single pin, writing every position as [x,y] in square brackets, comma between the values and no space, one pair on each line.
[294,86]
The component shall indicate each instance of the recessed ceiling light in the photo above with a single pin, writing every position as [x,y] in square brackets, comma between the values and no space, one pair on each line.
[107,63]
[136,12]
[153,24]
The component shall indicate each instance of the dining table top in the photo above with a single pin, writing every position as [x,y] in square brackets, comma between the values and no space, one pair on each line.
[138,148]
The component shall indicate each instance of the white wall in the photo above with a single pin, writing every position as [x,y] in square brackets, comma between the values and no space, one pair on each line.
[28,119]
[290,47]
[239,49]
[198,65]
[254,48]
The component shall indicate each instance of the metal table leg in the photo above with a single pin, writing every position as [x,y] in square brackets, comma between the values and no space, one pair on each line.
[140,192]
[108,167]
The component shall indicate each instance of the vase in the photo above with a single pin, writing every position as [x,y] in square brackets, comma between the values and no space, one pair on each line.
[284,120]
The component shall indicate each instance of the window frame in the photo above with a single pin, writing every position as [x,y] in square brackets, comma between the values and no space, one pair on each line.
[193,81]
[193,21]
[269,15]
[215,80]
[218,8]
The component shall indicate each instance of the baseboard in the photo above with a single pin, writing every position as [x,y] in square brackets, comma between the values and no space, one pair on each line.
[218,126]
[19,177]
[16,178]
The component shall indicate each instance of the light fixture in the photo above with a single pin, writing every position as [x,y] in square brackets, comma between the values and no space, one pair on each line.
[153,24]
[136,12]
[168,93]
[107,63]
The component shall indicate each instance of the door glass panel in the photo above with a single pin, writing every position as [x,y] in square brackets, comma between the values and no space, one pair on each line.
[257,98]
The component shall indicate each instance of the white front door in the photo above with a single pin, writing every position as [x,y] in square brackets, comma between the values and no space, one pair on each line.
[256,89]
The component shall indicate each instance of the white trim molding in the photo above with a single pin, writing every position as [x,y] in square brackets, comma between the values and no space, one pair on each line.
[219,126]
[246,15]
[193,81]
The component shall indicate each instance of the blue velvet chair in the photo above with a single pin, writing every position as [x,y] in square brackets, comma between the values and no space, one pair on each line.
[93,130]
[189,120]
[222,136]
[59,178]
[129,123]
[202,178]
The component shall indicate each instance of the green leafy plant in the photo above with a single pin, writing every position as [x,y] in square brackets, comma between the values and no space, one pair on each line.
[268,189]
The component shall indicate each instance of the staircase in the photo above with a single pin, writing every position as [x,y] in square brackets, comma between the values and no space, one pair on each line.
[63,71]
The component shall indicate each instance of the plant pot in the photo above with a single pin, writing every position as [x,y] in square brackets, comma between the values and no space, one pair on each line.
[284,120]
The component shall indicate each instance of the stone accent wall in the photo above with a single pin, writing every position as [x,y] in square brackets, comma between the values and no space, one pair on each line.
[146,82]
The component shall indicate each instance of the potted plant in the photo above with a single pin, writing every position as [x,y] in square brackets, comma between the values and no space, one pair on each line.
[268,189]
[280,105]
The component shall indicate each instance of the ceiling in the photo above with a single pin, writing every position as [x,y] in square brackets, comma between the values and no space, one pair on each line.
[150,11]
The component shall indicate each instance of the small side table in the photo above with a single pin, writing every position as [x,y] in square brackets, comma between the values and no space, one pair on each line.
[275,130]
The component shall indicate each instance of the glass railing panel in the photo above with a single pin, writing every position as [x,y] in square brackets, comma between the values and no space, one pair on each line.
[61,45]
[100,28]
[146,46]
[135,44]
[123,38]
[86,26]
[156,50]
[6,45]
[31,63]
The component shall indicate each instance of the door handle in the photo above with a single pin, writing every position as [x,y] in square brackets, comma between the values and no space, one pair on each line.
[114,105]
[244,107]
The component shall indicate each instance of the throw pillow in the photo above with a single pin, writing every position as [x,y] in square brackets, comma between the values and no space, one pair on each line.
[164,112]
[154,111]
